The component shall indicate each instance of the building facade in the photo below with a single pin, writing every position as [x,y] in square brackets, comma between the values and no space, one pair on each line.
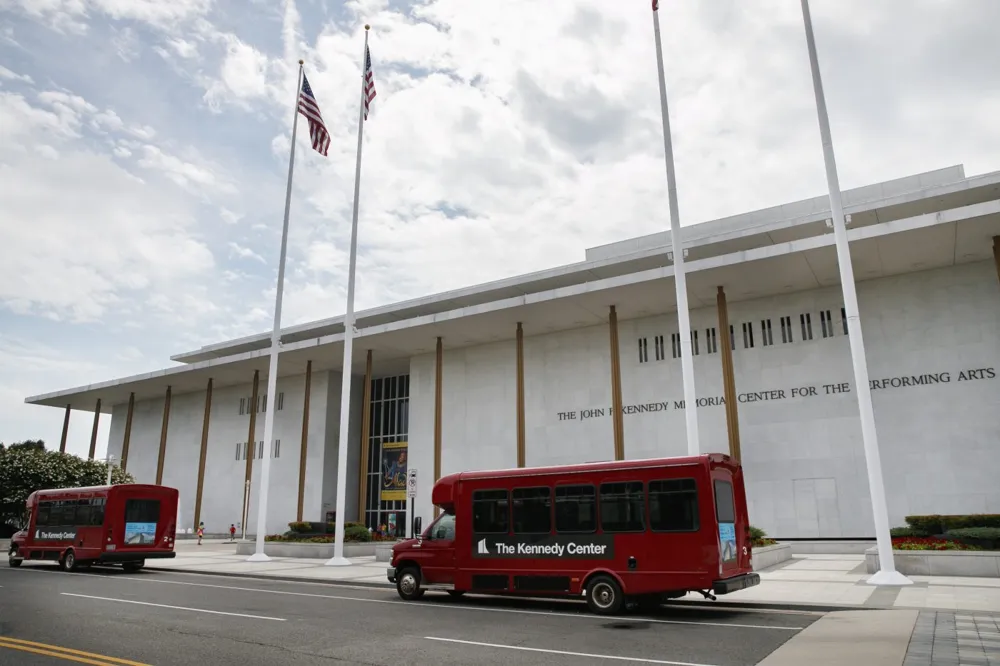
[527,371]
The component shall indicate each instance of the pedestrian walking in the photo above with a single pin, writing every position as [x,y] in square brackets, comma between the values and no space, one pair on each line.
[201,532]
[232,532]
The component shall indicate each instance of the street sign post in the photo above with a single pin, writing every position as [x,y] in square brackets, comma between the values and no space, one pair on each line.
[411,492]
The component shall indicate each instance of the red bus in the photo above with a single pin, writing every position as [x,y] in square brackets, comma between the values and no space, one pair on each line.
[78,527]
[629,533]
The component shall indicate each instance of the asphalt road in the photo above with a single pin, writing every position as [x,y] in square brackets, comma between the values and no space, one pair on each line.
[164,619]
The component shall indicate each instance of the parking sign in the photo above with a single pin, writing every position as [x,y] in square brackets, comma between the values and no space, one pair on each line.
[411,483]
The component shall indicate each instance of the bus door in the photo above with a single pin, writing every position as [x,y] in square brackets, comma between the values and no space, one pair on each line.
[89,517]
[437,552]
[730,531]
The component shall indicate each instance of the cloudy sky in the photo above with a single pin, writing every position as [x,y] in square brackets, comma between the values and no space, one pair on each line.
[144,150]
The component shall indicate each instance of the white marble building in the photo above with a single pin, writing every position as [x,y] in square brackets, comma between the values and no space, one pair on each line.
[926,252]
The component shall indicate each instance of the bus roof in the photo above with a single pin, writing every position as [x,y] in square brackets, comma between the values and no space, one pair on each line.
[717,458]
[102,489]
[443,488]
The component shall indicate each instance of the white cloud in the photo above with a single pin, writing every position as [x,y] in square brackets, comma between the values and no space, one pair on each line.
[12,76]
[245,252]
[506,137]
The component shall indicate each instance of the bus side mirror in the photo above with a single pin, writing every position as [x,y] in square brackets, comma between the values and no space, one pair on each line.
[417,523]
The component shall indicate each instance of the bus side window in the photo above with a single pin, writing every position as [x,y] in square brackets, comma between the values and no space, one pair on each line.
[44,513]
[97,512]
[83,512]
[576,509]
[532,510]
[63,513]
[490,512]
[622,507]
[673,505]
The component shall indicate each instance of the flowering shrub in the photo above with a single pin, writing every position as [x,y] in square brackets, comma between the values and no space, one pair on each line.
[759,538]
[929,543]
[27,467]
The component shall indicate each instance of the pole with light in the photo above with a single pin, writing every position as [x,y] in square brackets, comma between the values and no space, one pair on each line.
[887,574]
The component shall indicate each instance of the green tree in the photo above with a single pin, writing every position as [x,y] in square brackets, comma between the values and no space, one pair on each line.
[28,467]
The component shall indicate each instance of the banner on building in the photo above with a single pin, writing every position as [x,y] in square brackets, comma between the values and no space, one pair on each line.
[393,471]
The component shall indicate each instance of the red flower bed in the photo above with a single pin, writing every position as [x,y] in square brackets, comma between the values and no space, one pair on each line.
[928,543]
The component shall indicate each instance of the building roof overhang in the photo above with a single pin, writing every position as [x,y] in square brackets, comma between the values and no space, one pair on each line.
[943,224]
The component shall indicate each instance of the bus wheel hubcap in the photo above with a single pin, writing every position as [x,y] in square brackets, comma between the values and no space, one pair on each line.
[604,596]
[408,583]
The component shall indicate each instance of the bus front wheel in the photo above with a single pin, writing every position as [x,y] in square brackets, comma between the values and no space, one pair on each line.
[68,561]
[13,560]
[408,584]
[604,595]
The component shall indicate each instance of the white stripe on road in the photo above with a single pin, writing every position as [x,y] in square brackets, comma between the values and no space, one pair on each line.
[567,654]
[196,610]
[463,607]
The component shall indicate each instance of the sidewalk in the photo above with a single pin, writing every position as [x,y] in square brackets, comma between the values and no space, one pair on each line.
[820,580]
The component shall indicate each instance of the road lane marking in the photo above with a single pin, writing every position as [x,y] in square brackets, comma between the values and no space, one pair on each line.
[463,607]
[586,655]
[195,610]
[68,654]
[446,605]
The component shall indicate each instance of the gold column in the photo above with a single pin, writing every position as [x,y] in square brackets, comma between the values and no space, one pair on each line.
[163,439]
[250,448]
[520,395]
[204,454]
[437,414]
[128,430]
[304,447]
[65,432]
[996,253]
[366,424]
[728,376]
[616,387]
[93,432]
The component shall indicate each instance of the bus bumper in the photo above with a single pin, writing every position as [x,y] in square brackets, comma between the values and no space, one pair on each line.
[391,574]
[736,583]
[119,557]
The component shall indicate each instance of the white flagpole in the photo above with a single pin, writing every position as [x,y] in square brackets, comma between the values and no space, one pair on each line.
[272,372]
[338,559]
[680,279]
[887,574]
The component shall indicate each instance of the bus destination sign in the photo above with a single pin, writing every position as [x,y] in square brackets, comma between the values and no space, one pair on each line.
[589,547]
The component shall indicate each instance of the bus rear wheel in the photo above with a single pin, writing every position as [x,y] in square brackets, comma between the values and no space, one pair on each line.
[408,584]
[13,560]
[68,561]
[604,595]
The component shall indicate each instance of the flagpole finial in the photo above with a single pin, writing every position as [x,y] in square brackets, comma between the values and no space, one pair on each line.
[367,27]
[302,62]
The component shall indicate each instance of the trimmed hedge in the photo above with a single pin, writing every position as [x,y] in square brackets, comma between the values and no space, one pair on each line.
[941,524]
[902,532]
[303,527]
[984,537]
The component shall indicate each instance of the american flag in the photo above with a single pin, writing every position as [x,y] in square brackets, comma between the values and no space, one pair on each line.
[369,85]
[310,109]
[656,5]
